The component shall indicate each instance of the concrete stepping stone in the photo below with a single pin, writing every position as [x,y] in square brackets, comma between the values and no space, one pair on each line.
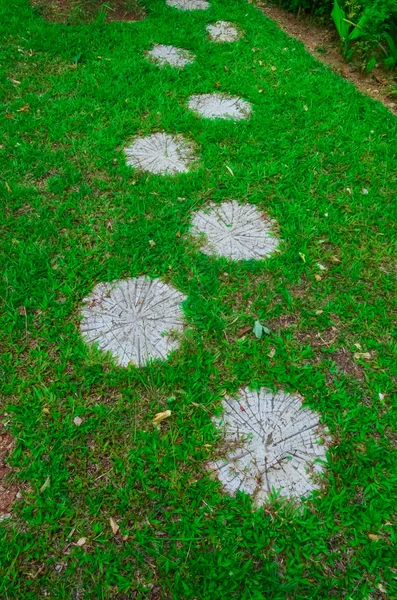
[132,319]
[161,153]
[220,106]
[271,442]
[223,31]
[189,4]
[236,231]
[170,55]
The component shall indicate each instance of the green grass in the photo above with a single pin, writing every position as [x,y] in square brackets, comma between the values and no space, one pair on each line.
[74,214]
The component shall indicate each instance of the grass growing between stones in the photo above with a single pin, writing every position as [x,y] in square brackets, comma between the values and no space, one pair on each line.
[74,215]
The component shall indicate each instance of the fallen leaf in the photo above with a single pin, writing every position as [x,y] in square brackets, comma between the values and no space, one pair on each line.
[260,329]
[46,411]
[24,108]
[357,345]
[22,311]
[319,312]
[318,277]
[77,421]
[80,542]
[381,588]
[160,417]
[230,171]
[271,353]
[152,243]
[366,355]
[115,527]
[335,259]
[321,267]
[243,331]
[373,536]
[46,484]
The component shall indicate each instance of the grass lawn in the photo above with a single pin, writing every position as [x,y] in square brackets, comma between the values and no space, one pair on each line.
[74,214]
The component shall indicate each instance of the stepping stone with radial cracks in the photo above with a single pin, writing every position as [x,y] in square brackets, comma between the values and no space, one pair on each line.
[132,319]
[189,4]
[271,442]
[223,31]
[220,106]
[236,231]
[161,153]
[170,55]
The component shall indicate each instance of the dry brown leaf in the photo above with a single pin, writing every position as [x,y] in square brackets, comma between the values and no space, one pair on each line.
[230,171]
[24,108]
[335,259]
[115,527]
[366,355]
[81,541]
[271,353]
[160,417]
[373,536]
[318,277]
[244,331]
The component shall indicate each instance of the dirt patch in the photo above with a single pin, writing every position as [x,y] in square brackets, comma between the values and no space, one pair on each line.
[8,491]
[319,339]
[324,340]
[282,322]
[346,364]
[74,12]
[324,44]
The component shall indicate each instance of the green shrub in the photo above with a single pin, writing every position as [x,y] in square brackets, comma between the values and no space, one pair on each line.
[369,26]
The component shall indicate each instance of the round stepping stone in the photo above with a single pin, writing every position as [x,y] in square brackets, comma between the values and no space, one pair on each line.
[219,106]
[189,4]
[131,319]
[233,230]
[272,444]
[170,55]
[223,31]
[161,153]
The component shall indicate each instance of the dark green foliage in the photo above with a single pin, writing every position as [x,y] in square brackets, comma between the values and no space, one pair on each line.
[374,23]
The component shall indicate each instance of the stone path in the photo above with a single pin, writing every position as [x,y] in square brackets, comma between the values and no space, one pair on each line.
[272,444]
[271,440]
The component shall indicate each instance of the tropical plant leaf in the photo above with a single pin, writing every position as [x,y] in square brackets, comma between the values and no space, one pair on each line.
[339,18]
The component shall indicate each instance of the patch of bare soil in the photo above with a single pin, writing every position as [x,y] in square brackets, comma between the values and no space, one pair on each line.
[75,11]
[8,491]
[344,359]
[324,44]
